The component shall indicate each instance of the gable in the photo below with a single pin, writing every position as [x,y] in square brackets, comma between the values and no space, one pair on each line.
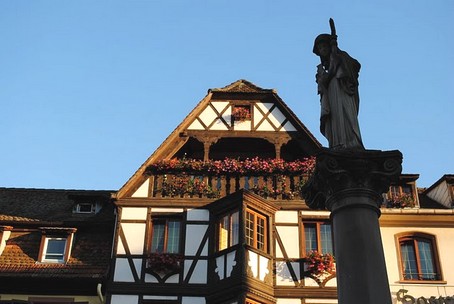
[238,121]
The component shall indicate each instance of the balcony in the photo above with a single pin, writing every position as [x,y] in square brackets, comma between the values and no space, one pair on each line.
[188,178]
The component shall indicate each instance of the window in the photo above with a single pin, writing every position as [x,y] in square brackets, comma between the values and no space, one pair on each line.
[54,249]
[84,208]
[228,230]
[256,230]
[55,244]
[165,235]
[418,257]
[318,237]
[400,196]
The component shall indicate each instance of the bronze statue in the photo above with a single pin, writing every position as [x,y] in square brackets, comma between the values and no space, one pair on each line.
[337,79]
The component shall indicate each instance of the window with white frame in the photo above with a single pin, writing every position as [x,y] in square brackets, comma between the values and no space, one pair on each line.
[54,249]
[56,244]
[85,208]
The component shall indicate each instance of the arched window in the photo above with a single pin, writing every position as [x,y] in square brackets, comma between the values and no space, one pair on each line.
[418,257]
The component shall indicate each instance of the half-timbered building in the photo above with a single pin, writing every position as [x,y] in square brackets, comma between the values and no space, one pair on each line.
[215,215]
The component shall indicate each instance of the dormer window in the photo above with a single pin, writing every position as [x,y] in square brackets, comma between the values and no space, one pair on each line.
[56,244]
[54,249]
[85,208]
[401,196]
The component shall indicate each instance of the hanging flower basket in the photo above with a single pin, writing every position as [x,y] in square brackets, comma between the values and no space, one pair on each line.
[319,264]
[241,113]
[164,262]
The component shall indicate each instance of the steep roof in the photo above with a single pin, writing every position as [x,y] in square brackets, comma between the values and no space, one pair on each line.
[25,212]
[49,205]
[216,103]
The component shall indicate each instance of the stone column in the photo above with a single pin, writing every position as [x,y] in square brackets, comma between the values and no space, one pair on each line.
[350,184]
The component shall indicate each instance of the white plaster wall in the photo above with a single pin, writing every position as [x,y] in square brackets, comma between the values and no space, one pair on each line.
[286,217]
[290,240]
[207,116]
[124,299]
[220,125]
[199,276]
[166,210]
[230,262]
[253,263]
[276,117]
[160,297]
[324,301]
[135,236]
[316,213]
[220,266]
[283,276]
[194,235]
[193,300]
[198,215]
[288,127]
[242,125]
[134,213]
[258,265]
[263,266]
[288,301]
[143,189]
[122,271]
[196,125]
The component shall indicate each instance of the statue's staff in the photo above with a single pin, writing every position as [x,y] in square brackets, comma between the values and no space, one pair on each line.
[333,28]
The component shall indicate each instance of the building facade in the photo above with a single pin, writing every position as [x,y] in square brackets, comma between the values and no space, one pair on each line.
[215,215]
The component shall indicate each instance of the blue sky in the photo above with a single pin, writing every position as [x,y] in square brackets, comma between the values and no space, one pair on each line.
[89,89]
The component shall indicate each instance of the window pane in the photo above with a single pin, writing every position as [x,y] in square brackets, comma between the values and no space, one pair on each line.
[260,233]
[310,235]
[249,229]
[235,228]
[173,238]
[55,249]
[326,238]
[157,241]
[224,233]
[426,260]
[410,269]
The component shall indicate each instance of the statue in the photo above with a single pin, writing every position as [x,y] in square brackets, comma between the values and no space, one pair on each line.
[337,79]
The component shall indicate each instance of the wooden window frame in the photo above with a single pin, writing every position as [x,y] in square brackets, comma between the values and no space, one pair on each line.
[231,228]
[414,237]
[254,243]
[166,220]
[318,234]
[67,235]
[399,189]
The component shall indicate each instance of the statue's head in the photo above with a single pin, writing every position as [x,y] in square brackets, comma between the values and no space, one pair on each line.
[322,41]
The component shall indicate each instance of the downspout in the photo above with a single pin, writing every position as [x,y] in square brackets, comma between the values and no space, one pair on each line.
[99,292]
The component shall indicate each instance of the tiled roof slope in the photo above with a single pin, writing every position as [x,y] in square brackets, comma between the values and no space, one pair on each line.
[26,210]
[43,205]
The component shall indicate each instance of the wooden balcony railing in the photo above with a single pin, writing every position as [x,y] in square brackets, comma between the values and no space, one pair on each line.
[278,187]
